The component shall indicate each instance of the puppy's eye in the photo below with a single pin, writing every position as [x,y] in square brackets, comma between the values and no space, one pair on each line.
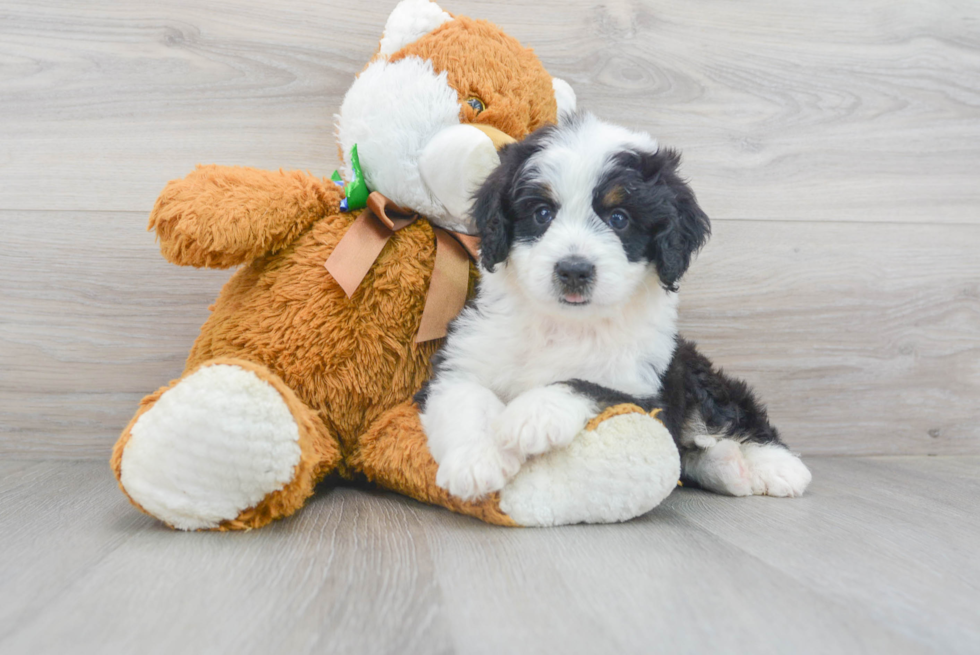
[476,104]
[618,220]
[543,214]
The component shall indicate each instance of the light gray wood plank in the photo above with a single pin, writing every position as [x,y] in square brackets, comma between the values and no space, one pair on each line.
[15,472]
[799,110]
[366,572]
[862,339]
[350,574]
[866,538]
[103,103]
[857,350]
[362,572]
[939,477]
[57,520]
[861,111]
[944,487]
[369,588]
[93,319]
[657,584]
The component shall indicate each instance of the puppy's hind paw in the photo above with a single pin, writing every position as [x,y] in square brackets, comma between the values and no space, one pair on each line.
[718,465]
[473,472]
[775,471]
[747,469]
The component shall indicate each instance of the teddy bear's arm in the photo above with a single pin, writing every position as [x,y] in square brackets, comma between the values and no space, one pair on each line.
[222,216]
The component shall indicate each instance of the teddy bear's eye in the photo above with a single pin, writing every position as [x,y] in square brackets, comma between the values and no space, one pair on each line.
[476,104]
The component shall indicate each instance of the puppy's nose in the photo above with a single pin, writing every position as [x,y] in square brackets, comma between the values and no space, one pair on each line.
[575,272]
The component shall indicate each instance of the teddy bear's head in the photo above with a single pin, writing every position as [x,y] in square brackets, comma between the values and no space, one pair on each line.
[434,72]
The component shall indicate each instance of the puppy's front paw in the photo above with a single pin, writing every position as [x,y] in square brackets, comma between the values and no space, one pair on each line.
[541,419]
[475,471]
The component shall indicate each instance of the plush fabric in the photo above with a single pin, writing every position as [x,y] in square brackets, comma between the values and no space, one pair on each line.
[515,89]
[345,369]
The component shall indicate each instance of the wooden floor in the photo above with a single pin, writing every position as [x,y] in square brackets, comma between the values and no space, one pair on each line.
[879,557]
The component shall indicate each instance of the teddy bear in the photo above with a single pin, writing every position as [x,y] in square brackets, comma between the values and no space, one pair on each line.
[314,348]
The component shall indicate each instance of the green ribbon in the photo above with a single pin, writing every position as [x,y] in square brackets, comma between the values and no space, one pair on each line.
[356,191]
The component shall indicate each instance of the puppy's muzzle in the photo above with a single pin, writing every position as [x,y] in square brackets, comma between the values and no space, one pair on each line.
[574,275]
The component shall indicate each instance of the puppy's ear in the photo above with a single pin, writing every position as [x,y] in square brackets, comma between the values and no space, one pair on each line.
[492,204]
[495,229]
[687,228]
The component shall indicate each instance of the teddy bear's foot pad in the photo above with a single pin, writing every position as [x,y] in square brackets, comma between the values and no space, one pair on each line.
[614,471]
[212,446]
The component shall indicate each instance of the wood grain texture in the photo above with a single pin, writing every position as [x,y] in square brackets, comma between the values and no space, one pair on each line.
[630,590]
[864,111]
[862,339]
[878,557]
[91,319]
[856,349]
[349,576]
[56,522]
[883,537]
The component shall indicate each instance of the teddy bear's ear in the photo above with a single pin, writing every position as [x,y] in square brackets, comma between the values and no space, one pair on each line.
[409,21]
[565,97]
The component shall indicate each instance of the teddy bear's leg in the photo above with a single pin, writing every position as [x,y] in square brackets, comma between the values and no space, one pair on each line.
[394,454]
[227,446]
[622,465]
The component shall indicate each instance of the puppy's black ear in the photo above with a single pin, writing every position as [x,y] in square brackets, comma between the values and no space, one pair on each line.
[492,204]
[489,209]
[687,228]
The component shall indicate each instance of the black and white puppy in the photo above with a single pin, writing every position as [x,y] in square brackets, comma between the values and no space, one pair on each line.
[586,230]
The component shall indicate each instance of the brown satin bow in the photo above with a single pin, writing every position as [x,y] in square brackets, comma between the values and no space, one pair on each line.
[367,236]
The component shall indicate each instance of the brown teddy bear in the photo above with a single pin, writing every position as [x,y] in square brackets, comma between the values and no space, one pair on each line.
[316,345]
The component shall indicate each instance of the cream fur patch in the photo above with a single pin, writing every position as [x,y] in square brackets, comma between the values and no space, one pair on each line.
[392,112]
[565,97]
[620,470]
[409,21]
[212,446]
[453,165]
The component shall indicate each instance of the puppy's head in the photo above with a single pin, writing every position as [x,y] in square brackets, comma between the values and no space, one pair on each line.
[583,214]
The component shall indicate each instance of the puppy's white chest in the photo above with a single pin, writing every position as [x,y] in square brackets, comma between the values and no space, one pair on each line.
[541,355]
[511,347]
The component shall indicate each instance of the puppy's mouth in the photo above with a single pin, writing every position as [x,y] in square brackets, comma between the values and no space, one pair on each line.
[575,299]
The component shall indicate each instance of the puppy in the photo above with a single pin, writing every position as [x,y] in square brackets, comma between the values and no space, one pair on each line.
[586,230]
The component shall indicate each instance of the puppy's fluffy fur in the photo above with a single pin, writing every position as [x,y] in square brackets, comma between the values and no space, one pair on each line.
[586,231]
